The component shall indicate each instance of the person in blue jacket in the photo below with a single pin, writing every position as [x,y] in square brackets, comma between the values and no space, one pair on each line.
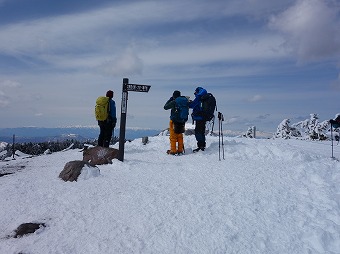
[107,126]
[197,116]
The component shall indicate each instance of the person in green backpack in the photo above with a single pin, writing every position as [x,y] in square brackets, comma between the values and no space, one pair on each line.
[107,125]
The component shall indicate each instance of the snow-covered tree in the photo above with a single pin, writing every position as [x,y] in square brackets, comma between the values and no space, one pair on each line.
[283,130]
[322,129]
[312,128]
[250,132]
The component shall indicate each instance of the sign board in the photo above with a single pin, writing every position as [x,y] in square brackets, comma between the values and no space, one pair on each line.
[136,88]
[124,103]
[133,88]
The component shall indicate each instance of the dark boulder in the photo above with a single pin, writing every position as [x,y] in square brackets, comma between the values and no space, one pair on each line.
[100,155]
[72,170]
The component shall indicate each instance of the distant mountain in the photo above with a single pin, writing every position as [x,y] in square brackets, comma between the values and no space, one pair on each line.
[38,134]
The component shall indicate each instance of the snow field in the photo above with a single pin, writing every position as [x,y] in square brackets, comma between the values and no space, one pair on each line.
[267,196]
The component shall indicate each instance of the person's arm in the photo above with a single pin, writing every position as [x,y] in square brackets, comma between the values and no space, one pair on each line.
[169,104]
[195,102]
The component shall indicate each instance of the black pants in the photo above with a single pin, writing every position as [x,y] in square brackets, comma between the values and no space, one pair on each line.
[200,133]
[105,135]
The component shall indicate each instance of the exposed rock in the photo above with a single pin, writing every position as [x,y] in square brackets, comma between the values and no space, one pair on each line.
[145,140]
[5,174]
[27,228]
[100,155]
[72,170]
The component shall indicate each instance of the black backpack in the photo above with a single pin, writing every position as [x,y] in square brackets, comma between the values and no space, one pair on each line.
[208,106]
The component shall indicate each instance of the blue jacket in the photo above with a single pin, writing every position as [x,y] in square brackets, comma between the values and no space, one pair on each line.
[196,104]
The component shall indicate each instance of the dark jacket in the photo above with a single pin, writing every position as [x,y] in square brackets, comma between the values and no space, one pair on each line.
[196,105]
[170,104]
[335,123]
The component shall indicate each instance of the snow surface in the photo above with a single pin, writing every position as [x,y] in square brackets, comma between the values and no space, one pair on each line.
[267,196]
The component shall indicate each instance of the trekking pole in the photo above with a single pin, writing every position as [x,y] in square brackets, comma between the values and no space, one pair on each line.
[219,136]
[222,135]
[332,139]
[213,123]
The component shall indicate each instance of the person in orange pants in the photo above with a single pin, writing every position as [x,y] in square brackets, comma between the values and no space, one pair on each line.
[176,140]
[177,125]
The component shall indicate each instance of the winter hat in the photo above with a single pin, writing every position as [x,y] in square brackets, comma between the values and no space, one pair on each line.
[109,94]
[176,94]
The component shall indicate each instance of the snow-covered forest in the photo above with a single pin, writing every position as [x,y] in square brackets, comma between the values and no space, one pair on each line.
[311,129]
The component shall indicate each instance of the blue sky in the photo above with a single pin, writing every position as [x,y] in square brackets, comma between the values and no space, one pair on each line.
[264,60]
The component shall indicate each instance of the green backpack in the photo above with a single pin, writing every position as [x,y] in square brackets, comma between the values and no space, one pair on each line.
[102,108]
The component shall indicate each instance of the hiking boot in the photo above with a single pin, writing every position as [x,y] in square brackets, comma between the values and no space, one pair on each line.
[171,153]
[197,149]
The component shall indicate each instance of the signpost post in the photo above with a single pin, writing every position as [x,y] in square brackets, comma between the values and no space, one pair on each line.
[127,87]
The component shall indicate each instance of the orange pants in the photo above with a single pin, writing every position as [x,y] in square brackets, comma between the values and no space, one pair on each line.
[176,140]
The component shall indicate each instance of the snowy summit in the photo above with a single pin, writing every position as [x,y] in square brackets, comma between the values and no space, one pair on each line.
[266,196]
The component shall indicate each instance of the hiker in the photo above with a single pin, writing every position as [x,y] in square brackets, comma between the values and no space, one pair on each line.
[197,116]
[179,106]
[335,123]
[107,126]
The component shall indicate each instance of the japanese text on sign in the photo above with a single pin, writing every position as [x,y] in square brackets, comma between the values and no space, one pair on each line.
[137,88]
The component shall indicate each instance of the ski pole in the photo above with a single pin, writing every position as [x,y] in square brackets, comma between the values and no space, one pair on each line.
[332,139]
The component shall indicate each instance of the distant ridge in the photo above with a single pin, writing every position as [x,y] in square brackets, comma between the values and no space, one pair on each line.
[41,134]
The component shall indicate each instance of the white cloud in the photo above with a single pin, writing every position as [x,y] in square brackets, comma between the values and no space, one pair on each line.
[4,101]
[256,98]
[9,83]
[232,120]
[336,83]
[311,29]
[126,64]
[231,49]
[87,38]
[258,9]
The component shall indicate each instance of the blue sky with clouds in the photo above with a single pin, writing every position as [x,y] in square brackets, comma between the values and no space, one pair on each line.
[264,60]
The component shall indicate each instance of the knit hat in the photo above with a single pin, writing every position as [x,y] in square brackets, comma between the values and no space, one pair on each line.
[109,94]
[176,94]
